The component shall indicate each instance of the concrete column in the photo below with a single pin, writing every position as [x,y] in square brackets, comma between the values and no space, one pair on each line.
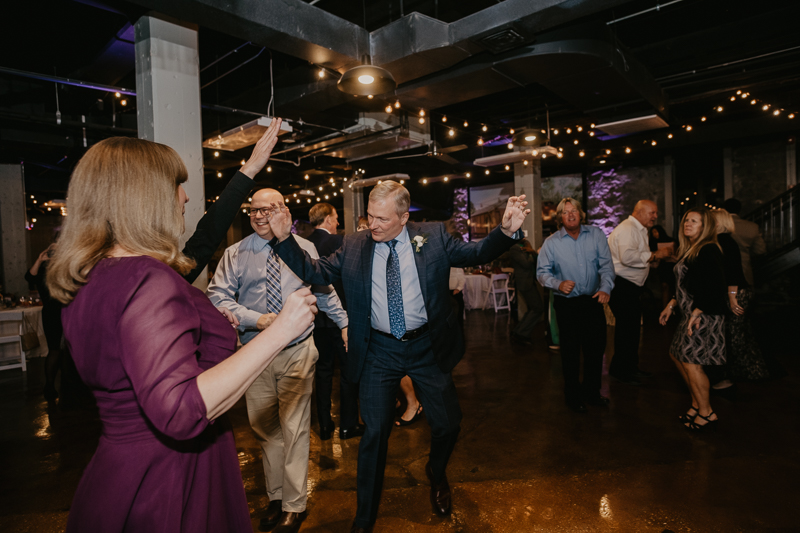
[528,181]
[353,208]
[791,165]
[168,102]
[13,219]
[669,194]
[727,166]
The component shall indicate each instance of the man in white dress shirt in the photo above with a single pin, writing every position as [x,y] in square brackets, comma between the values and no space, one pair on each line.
[630,251]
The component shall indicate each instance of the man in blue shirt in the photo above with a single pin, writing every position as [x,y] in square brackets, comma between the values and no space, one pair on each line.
[575,263]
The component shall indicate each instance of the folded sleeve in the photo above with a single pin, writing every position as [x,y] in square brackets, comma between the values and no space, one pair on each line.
[159,332]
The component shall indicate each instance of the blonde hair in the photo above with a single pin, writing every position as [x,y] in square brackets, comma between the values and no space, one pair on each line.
[560,210]
[123,192]
[708,235]
[382,191]
[724,221]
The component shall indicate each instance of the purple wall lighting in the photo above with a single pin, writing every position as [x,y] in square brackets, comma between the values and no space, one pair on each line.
[460,211]
[605,207]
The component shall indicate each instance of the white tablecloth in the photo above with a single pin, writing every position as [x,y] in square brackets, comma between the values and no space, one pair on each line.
[34,314]
[476,287]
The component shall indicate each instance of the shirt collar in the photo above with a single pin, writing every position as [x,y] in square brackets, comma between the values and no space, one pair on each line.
[563,231]
[636,223]
[259,244]
[403,237]
[323,229]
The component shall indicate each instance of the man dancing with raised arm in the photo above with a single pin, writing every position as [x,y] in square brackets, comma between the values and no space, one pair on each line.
[409,328]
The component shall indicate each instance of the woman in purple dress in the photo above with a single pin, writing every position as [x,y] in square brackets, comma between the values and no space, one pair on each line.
[154,351]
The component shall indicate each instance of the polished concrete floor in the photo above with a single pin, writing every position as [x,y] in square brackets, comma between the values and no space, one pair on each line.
[523,461]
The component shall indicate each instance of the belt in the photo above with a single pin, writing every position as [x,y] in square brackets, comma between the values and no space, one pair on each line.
[304,339]
[409,335]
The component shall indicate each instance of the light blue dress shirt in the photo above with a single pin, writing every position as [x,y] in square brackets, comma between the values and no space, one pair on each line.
[413,304]
[239,285]
[585,260]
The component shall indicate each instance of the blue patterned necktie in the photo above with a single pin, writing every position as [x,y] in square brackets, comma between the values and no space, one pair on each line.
[273,278]
[394,292]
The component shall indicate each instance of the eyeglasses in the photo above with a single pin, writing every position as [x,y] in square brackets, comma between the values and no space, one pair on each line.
[263,211]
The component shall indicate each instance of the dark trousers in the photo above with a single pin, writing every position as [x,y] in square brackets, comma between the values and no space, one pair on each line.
[533,301]
[388,360]
[581,324]
[626,304]
[331,346]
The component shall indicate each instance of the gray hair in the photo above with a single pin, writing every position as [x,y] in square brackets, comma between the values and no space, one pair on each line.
[387,189]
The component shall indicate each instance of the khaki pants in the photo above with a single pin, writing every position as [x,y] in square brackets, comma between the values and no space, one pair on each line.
[279,409]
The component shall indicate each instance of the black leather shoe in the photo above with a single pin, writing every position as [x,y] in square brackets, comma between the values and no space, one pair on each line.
[629,380]
[578,407]
[290,522]
[356,529]
[325,433]
[349,433]
[642,374]
[272,517]
[440,494]
[599,401]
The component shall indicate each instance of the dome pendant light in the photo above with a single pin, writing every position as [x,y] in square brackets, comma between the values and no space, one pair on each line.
[366,79]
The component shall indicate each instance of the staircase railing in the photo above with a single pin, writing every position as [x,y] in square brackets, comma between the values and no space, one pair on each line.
[779,220]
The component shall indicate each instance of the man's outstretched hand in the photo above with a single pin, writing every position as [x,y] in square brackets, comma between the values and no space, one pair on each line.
[280,221]
[515,214]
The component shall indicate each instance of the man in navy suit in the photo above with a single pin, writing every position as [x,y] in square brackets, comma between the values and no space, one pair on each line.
[409,327]
[329,341]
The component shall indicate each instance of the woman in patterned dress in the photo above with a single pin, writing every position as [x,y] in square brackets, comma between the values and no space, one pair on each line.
[700,296]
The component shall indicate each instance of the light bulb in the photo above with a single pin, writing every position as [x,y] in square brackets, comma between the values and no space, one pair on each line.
[555,132]
[422,120]
[484,128]
[486,172]
[591,125]
[525,162]
[216,154]
[365,79]
[511,131]
[702,119]
[581,153]
[765,107]
[530,138]
[791,115]
[269,169]
[753,101]
[544,156]
[123,102]
[446,178]
[688,128]
[568,130]
[480,142]
[321,73]
[510,146]
[669,136]
[627,150]
[444,119]
[452,132]
[719,109]
[508,167]
[243,161]
[388,109]
[608,152]
[579,128]
[219,174]
[117,95]
[468,174]
[591,134]
[370,96]
[575,141]
[466,124]
[397,104]
[653,143]
[776,112]
[422,112]
[305,177]
[733,98]
[402,182]
[559,155]
[425,181]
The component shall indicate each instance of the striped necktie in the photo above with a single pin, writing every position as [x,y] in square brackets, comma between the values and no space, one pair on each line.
[274,299]
[394,293]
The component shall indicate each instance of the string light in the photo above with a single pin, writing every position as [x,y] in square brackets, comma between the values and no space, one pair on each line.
[388,109]
[216,154]
[555,132]
[306,177]
[123,102]
[321,73]
[559,155]
[480,141]
[765,107]
[269,169]
[719,109]
[753,101]
[627,150]
[117,95]
[575,141]
[422,112]
[425,181]
[791,115]
[608,152]
[510,146]
[733,98]
[653,143]
[579,128]
[511,131]
[669,136]
[243,161]
[219,174]
[568,130]
[452,132]
[581,153]
[422,120]
[776,112]
[446,178]
[486,172]
[484,128]
[702,119]
[466,124]
[397,104]
[444,118]
[525,162]
[688,128]
[508,167]
[591,134]
[468,174]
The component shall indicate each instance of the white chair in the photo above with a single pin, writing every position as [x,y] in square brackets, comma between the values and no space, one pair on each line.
[498,290]
[511,289]
[11,340]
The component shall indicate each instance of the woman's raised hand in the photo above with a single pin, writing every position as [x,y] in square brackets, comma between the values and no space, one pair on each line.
[262,150]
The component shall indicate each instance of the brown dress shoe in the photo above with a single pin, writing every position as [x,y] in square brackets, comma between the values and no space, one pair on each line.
[440,494]
[290,522]
[356,529]
[270,520]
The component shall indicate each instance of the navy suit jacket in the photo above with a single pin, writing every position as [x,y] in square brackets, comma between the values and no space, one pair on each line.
[352,263]
[326,244]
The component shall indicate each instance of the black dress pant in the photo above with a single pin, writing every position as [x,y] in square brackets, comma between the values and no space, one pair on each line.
[581,325]
[626,304]
[388,360]
[331,346]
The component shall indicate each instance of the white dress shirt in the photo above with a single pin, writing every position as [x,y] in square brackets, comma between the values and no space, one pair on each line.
[630,250]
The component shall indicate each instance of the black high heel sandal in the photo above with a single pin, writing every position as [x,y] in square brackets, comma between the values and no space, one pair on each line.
[709,425]
[686,417]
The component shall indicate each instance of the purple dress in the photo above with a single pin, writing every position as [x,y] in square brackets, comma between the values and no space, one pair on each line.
[140,335]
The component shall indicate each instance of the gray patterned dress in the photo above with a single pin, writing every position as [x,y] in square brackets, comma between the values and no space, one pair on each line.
[706,346]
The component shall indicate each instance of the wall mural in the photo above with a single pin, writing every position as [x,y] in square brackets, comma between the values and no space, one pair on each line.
[614,191]
[486,207]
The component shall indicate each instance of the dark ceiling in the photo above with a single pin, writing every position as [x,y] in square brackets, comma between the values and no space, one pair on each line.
[592,61]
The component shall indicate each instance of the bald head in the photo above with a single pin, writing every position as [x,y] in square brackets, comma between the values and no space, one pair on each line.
[259,222]
[646,212]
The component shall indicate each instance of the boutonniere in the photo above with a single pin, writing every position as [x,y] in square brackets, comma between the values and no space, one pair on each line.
[419,241]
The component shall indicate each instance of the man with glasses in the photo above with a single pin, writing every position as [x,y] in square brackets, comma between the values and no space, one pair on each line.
[252,282]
